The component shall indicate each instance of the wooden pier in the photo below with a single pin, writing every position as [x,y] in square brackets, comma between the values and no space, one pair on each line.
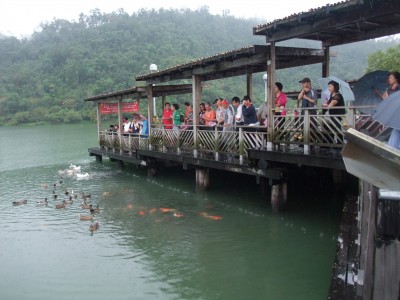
[367,261]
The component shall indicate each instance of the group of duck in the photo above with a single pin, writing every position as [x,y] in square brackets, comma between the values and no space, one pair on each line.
[73,171]
[69,198]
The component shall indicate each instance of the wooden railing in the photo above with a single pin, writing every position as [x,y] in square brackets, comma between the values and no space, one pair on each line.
[307,130]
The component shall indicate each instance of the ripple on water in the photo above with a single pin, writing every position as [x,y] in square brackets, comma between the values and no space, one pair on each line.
[137,250]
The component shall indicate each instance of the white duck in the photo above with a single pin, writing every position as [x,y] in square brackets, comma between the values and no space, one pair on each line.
[81,176]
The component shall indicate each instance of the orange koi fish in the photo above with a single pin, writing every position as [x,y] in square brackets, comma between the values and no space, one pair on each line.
[207,216]
[165,210]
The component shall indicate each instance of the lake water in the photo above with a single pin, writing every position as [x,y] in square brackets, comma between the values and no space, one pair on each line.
[139,251]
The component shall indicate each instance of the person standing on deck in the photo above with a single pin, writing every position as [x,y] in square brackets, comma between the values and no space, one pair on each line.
[219,113]
[201,114]
[167,116]
[308,95]
[238,120]
[262,114]
[394,84]
[229,113]
[280,104]
[176,116]
[126,125]
[209,117]
[248,111]
[394,87]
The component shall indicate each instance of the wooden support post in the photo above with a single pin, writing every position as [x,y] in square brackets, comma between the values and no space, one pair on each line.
[98,121]
[279,197]
[241,145]
[120,164]
[150,107]
[196,92]
[99,158]
[249,85]
[151,171]
[338,178]
[202,179]
[306,132]
[271,65]
[163,100]
[325,63]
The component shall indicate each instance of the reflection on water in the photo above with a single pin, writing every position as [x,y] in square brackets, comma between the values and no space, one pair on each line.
[141,252]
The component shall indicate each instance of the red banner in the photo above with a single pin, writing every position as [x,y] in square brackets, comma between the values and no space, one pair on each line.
[112,108]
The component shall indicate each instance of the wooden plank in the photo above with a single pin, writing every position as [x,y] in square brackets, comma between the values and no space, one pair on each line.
[342,286]
[371,160]
[387,270]
[299,159]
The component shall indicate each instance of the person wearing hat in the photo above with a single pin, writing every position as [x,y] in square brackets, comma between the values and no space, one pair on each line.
[308,95]
[309,98]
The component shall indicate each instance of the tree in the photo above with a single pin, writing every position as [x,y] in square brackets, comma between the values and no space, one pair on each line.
[388,60]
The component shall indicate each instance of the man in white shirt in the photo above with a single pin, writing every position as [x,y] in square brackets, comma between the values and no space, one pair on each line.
[239,116]
[126,125]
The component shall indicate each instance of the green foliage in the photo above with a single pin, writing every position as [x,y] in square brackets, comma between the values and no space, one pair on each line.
[46,77]
[388,60]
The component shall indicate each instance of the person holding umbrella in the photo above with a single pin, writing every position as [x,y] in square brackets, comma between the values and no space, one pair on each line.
[387,113]
[394,86]
[335,99]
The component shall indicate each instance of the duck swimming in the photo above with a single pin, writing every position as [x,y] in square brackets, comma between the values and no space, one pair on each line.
[94,210]
[45,202]
[86,217]
[86,206]
[94,226]
[81,176]
[85,196]
[20,202]
[61,205]
[70,200]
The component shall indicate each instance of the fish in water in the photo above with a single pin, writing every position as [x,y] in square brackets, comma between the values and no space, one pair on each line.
[177,215]
[207,216]
[20,202]
[166,210]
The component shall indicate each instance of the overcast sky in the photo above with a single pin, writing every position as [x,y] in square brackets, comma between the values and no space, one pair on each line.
[22,17]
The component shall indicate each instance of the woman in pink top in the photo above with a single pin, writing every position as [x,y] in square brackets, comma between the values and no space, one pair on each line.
[280,103]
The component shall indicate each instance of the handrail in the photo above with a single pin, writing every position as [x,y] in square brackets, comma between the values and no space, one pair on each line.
[306,130]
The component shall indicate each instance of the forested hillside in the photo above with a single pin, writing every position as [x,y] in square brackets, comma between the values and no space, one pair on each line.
[46,77]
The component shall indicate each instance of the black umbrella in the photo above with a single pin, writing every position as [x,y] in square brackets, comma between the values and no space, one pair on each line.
[368,90]
[388,111]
